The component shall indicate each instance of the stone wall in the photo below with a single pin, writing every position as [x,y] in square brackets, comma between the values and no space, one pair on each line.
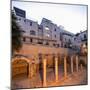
[31,49]
[19,67]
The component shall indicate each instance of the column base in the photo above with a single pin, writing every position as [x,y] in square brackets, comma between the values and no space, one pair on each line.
[44,85]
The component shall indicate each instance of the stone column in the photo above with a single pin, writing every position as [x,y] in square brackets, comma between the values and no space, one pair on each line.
[65,67]
[71,64]
[56,69]
[29,70]
[44,72]
[81,67]
[77,63]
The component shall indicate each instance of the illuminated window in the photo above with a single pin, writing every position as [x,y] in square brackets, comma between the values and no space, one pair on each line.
[46,28]
[47,35]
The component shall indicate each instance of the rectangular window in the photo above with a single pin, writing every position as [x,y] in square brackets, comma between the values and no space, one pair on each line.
[39,28]
[32,32]
[55,36]
[47,43]
[74,38]
[47,35]
[84,36]
[54,44]
[19,19]
[24,39]
[57,45]
[30,23]
[61,37]
[40,42]
[55,29]
[25,21]
[47,28]
[31,40]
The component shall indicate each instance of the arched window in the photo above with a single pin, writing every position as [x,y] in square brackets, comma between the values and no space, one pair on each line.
[32,32]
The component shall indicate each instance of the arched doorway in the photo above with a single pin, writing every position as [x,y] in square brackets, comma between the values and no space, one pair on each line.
[20,68]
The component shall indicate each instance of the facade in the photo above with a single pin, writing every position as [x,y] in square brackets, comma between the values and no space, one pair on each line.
[51,32]
[80,42]
[83,36]
[47,33]
[80,39]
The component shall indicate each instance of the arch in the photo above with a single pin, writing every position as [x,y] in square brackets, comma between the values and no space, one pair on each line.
[22,58]
[20,66]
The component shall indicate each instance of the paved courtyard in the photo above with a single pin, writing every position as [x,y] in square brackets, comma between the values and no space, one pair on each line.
[77,78]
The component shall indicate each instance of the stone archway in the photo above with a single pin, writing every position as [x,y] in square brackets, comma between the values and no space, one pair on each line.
[20,67]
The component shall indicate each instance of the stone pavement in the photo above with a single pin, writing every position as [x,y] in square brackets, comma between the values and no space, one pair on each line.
[77,78]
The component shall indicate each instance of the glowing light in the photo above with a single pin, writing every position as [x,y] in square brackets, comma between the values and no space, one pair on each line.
[47,35]
[46,28]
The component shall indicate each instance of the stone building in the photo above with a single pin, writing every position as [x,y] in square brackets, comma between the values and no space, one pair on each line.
[80,39]
[47,33]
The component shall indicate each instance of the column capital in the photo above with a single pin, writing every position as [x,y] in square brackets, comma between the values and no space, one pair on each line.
[72,57]
[56,58]
[56,55]
[44,56]
[77,56]
[65,56]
